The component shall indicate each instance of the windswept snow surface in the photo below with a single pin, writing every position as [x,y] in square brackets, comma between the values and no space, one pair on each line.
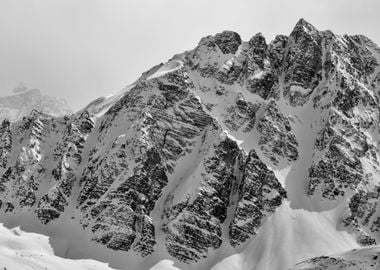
[365,258]
[165,265]
[289,236]
[20,250]
[99,106]
[170,66]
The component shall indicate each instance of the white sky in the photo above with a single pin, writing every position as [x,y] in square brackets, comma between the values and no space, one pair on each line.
[83,49]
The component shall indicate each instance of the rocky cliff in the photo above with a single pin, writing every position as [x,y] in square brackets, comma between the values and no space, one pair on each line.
[218,159]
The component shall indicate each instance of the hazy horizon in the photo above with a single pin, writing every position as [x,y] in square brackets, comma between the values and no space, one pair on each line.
[80,50]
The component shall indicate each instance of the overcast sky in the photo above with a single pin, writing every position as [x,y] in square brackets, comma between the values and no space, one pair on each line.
[83,49]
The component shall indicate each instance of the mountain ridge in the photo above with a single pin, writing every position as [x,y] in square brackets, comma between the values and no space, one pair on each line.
[217,159]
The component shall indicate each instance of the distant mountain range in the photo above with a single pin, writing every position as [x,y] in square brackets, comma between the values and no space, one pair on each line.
[23,101]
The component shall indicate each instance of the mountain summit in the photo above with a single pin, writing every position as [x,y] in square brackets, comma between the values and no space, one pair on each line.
[234,155]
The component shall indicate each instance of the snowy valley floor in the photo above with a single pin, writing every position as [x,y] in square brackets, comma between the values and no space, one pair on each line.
[26,251]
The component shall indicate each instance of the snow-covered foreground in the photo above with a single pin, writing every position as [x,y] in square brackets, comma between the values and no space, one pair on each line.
[364,258]
[21,250]
[292,235]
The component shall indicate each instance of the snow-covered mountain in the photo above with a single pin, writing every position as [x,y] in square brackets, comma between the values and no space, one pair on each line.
[23,101]
[234,155]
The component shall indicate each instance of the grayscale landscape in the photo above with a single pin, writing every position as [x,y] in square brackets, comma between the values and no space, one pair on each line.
[256,154]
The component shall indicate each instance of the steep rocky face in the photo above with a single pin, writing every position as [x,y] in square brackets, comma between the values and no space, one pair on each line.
[6,143]
[259,194]
[302,63]
[211,153]
[42,176]
[276,137]
[23,102]
[263,66]
[195,225]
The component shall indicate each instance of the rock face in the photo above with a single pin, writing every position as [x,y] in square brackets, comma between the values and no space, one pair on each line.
[260,194]
[276,140]
[193,161]
[24,101]
[302,63]
[195,225]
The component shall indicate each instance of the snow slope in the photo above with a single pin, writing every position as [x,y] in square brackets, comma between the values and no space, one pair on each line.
[290,236]
[20,250]
[363,258]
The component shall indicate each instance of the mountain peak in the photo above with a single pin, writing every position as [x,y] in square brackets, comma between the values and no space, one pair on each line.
[305,27]
[20,88]
[303,22]
[228,41]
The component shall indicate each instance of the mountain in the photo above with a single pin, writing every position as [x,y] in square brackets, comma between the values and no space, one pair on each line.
[23,102]
[234,155]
